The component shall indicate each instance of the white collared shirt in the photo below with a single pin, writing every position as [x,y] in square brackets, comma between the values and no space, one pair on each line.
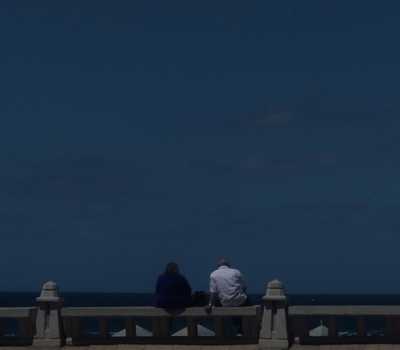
[229,285]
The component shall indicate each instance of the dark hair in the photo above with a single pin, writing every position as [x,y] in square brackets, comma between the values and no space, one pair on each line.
[172,267]
[223,262]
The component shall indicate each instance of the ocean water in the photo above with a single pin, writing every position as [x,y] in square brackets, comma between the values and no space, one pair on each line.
[20,299]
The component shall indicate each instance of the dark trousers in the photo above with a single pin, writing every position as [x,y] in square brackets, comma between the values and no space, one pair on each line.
[236,325]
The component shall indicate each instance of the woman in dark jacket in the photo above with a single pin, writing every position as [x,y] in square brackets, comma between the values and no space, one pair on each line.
[173,290]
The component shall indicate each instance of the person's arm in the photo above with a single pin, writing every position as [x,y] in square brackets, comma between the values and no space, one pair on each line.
[211,303]
[213,295]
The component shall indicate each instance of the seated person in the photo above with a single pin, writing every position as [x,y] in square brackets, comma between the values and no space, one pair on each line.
[172,290]
[227,286]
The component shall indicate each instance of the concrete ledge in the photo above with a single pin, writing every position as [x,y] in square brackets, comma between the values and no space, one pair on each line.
[46,343]
[218,347]
[16,312]
[344,310]
[273,344]
[149,311]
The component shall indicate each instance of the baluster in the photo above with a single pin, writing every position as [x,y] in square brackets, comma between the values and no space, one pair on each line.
[395,321]
[257,321]
[75,328]
[388,326]
[160,326]
[361,327]
[156,327]
[25,329]
[219,327]
[301,328]
[332,328]
[130,326]
[192,327]
[165,325]
[248,326]
[103,327]
[67,327]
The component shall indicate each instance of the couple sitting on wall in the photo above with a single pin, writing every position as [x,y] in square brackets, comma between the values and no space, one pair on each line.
[227,288]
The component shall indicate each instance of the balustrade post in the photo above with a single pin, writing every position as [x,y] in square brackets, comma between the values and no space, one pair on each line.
[274,324]
[49,328]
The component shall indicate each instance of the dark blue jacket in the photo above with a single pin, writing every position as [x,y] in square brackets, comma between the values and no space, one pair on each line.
[173,291]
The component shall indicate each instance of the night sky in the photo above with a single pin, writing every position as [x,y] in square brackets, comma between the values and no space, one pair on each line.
[133,133]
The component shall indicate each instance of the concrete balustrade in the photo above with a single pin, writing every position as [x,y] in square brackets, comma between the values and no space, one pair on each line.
[23,317]
[273,325]
[160,321]
[303,328]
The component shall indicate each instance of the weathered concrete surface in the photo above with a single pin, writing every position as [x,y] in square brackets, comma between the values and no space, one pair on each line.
[167,347]
[145,347]
[218,347]
[48,318]
[274,332]
[347,347]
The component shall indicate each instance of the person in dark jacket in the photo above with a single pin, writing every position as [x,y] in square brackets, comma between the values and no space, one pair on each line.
[173,290]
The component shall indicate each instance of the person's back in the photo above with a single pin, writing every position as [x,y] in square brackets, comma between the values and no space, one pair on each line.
[173,290]
[227,285]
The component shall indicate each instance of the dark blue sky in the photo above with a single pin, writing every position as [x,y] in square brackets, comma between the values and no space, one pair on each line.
[137,132]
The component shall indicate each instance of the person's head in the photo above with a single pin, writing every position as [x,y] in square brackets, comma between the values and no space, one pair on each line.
[172,267]
[223,262]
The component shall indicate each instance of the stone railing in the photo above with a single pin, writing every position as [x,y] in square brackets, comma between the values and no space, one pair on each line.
[17,325]
[52,325]
[344,324]
[192,325]
[272,325]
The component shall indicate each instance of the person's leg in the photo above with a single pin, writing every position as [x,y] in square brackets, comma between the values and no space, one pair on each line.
[237,321]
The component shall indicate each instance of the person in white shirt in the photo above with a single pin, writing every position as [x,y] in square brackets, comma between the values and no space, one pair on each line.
[227,286]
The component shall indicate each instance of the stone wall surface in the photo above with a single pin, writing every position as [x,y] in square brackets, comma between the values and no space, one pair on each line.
[220,347]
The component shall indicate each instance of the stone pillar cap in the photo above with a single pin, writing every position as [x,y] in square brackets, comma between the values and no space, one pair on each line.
[275,284]
[275,291]
[49,293]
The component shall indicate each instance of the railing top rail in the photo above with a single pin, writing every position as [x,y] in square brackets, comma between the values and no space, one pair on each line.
[149,311]
[16,312]
[344,310]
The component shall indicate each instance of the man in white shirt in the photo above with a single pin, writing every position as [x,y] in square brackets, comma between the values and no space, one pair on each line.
[227,286]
